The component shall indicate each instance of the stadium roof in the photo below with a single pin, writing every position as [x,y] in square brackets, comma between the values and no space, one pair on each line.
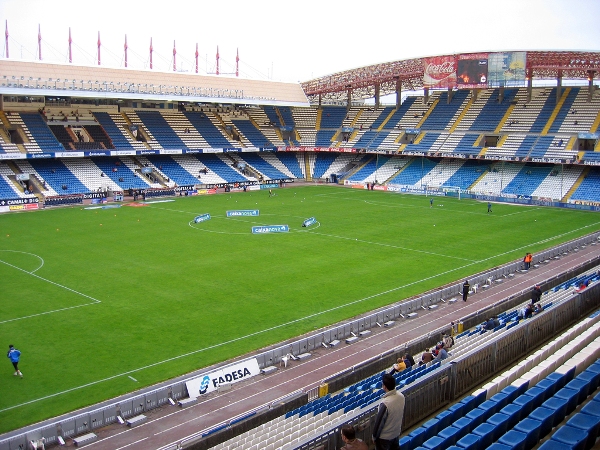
[407,75]
[67,80]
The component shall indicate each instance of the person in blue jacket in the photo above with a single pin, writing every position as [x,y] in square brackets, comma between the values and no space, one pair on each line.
[14,355]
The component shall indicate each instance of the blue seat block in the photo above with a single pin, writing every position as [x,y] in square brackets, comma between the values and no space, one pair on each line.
[450,436]
[514,414]
[546,416]
[561,378]
[406,443]
[559,406]
[486,432]
[591,425]
[434,443]
[498,446]
[591,408]
[591,376]
[538,395]
[582,386]
[531,428]
[571,396]
[476,416]
[516,440]
[500,422]
[469,442]
[501,400]
[490,407]
[470,403]
[458,411]
[525,402]
[511,393]
[464,425]
[418,436]
[549,385]
[432,426]
[445,418]
[554,445]
[571,436]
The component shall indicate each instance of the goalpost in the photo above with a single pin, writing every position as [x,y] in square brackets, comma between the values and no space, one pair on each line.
[454,189]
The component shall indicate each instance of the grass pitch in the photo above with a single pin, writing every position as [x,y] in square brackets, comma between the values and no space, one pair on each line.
[105,301]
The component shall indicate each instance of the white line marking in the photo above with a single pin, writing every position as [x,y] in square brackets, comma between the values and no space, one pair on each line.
[94,300]
[132,443]
[393,246]
[133,378]
[31,254]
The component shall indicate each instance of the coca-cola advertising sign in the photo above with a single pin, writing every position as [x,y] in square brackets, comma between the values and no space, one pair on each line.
[439,72]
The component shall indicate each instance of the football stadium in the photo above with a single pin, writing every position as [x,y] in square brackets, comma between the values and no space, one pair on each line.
[200,261]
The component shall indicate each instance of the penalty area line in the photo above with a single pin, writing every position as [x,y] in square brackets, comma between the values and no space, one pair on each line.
[94,300]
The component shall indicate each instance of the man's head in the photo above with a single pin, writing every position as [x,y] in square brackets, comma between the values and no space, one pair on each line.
[348,433]
[389,382]
[11,347]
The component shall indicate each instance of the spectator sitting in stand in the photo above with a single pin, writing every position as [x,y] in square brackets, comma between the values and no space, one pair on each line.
[398,367]
[426,357]
[442,353]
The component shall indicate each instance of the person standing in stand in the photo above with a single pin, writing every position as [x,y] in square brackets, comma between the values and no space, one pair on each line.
[14,355]
[388,424]
[465,290]
[536,294]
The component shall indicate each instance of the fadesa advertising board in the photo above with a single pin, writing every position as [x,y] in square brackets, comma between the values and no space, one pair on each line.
[231,374]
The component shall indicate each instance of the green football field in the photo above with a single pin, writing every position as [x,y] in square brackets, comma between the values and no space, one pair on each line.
[105,301]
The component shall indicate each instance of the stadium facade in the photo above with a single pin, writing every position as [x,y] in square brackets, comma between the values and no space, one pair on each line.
[479,126]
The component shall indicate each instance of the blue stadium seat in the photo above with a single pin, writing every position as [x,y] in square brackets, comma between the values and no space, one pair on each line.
[450,435]
[546,416]
[532,428]
[500,423]
[590,424]
[418,436]
[433,426]
[469,442]
[501,400]
[559,406]
[580,385]
[554,445]
[592,408]
[538,395]
[498,446]
[514,414]
[464,424]
[515,440]
[434,443]
[406,443]
[476,416]
[550,385]
[445,419]
[592,377]
[574,437]
[486,432]
[457,410]
[571,396]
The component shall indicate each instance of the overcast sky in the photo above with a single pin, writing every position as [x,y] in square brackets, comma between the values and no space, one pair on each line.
[291,41]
